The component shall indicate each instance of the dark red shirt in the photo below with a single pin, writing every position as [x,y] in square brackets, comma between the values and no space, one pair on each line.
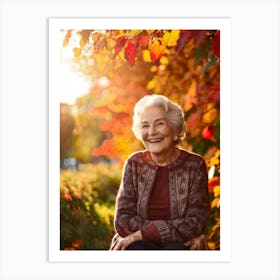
[159,208]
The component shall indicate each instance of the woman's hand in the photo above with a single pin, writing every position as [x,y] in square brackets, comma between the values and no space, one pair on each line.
[123,243]
[198,243]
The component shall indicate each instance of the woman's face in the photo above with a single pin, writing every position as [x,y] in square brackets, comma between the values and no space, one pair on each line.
[157,134]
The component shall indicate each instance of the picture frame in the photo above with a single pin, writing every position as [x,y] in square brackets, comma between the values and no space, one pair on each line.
[24,124]
[55,27]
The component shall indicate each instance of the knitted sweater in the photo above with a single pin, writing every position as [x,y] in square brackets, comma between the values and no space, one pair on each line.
[189,199]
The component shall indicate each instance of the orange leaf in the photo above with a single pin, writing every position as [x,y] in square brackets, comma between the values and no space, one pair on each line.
[211,245]
[215,203]
[67,196]
[106,149]
[191,97]
[192,89]
[76,244]
[100,42]
[210,116]
[157,49]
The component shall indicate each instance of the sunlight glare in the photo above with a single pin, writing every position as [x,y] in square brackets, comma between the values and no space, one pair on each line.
[73,85]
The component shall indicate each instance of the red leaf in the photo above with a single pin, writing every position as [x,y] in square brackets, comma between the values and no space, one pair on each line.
[216,44]
[194,119]
[214,93]
[185,36]
[208,132]
[199,36]
[215,181]
[119,44]
[130,52]
[144,41]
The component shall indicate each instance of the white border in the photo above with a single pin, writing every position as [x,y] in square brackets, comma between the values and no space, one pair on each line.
[223,24]
[24,106]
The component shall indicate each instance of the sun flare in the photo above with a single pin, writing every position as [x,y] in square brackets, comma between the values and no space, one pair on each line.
[73,85]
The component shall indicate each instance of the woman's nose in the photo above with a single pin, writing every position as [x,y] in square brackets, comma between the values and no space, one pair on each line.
[152,130]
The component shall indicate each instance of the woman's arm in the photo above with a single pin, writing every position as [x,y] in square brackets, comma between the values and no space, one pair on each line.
[127,221]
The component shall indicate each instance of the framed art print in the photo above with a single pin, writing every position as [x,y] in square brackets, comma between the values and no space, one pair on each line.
[98,69]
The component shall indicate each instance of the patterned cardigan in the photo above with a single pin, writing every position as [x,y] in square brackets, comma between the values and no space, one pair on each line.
[189,199]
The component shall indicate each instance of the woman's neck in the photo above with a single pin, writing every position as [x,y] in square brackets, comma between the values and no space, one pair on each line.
[167,158]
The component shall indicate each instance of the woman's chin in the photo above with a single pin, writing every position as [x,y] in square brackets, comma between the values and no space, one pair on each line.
[156,151]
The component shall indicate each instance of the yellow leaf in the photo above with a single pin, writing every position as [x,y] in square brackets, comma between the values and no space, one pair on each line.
[151,84]
[82,43]
[153,68]
[77,52]
[164,60]
[215,203]
[214,161]
[133,32]
[147,56]
[211,245]
[216,191]
[215,227]
[217,154]
[99,60]
[111,43]
[210,116]
[171,38]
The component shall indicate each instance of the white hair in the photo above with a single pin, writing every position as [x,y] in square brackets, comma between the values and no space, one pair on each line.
[174,114]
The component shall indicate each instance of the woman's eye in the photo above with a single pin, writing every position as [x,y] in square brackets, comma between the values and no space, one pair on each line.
[145,126]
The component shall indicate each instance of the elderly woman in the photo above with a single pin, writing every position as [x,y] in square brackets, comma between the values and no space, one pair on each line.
[163,201]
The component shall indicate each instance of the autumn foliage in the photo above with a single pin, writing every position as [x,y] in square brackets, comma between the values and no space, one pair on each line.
[125,65]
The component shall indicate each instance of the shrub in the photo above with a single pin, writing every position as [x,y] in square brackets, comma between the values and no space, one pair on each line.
[87,206]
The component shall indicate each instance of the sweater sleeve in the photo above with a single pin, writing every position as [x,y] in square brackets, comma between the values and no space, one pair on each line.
[126,219]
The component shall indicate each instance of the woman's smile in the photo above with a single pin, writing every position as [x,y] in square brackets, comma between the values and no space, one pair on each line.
[157,134]
[156,140]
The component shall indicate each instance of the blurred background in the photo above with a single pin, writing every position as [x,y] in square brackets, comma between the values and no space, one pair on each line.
[103,74]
